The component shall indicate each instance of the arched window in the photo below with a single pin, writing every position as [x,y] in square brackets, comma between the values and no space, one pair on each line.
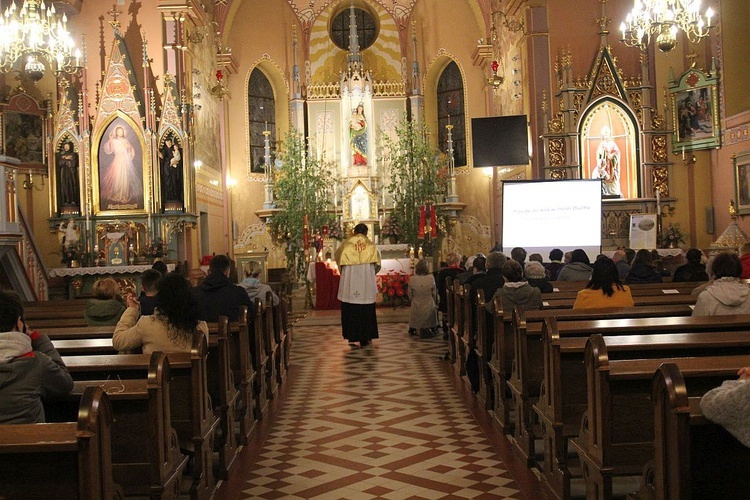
[262,117]
[367,29]
[450,109]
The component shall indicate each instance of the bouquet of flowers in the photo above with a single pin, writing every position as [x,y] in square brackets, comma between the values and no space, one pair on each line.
[157,248]
[71,253]
[672,236]
[393,285]
[334,231]
[391,228]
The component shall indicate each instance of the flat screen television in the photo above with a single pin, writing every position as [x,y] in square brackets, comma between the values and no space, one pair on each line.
[499,141]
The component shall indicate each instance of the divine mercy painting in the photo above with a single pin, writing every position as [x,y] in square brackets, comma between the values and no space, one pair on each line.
[120,168]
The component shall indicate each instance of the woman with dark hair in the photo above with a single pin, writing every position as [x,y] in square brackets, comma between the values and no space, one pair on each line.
[643,270]
[694,270]
[727,294]
[604,289]
[579,268]
[169,329]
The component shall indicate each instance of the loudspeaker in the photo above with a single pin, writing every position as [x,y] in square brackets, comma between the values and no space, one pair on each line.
[499,141]
[710,220]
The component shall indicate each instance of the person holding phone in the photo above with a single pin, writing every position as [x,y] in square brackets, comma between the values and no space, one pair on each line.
[31,369]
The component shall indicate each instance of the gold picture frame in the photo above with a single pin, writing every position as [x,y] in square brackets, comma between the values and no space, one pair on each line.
[24,127]
[741,163]
[694,99]
[120,169]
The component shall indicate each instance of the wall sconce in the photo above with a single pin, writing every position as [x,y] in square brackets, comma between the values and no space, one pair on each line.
[231,183]
[495,80]
[214,182]
[511,25]
[197,165]
[28,183]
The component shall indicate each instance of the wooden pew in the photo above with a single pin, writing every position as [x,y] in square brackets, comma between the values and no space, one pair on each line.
[279,338]
[451,319]
[260,359]
[500,363]
[286,326]
[564,399]
[56,332]
[644,300]
[483,349]
[527,371]
[146,457]
[65,460]
[693,457]
[78,347]
[191,413]
[458,332]
[637,290]
[616,437]
[224,394]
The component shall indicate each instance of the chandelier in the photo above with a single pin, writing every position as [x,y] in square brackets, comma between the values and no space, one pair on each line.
[663,19]
[36,34]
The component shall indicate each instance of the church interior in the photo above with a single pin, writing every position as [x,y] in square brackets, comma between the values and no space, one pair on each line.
[142,130]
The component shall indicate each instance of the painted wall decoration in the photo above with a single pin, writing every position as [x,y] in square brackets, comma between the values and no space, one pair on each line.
[23,136]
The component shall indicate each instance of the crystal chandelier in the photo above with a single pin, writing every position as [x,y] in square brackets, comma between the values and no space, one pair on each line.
[663,19]
[36,34]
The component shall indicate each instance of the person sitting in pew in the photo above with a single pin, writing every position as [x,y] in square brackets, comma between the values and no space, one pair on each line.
[729,406]
[30,367]
[253,285]
[726,294]
[605,288]
[106,307]
[536,275]
[643,269]
[147,300]
[169,329]
[218,295]
[620,258]
[694,270]
[579,268]
[516,291]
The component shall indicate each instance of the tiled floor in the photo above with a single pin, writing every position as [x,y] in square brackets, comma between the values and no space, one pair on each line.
[384,421]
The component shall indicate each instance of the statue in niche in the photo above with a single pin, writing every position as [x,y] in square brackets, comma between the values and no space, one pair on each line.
[171,170]
[67,165]
[608,164]
[358,135]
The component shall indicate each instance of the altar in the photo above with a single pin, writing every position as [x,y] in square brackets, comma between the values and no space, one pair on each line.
[80,280]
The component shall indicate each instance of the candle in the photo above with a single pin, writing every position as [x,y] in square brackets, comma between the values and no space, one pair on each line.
[411,253]
[420,252]
[658,204]
[683,152]
[149,222]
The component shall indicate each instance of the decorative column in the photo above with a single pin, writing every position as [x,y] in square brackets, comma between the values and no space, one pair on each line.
[268,203]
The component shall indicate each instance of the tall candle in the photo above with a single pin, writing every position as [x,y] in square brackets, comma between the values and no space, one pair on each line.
[658,204]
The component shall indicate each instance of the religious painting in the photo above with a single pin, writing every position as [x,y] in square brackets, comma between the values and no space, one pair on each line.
[742,182]
[695,112]
[120,168]
[67,165]
[358,136]
[608,140]
[23,136]
[172,172]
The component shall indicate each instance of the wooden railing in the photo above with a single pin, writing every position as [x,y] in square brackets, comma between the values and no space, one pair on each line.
[35,271]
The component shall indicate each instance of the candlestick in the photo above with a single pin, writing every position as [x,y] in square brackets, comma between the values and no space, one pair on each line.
[411,253]
[420,253]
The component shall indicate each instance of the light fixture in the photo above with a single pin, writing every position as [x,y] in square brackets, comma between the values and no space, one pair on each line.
[495,80]
[663,19]
[197,165]
[231,183]
[29,184]
[38,34]
[510,24]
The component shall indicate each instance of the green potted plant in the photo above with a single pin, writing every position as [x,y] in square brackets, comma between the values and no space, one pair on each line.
[672,236]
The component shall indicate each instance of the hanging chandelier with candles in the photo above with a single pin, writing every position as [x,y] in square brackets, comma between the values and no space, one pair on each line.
[35,34]
[663,19]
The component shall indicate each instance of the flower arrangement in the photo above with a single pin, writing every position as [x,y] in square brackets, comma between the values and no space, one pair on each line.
[157,248]
[672,236]
[334,231]
[391,228]
[71,253]
[393,285]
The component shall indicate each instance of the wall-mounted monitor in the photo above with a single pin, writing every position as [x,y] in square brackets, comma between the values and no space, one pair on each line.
[500,141]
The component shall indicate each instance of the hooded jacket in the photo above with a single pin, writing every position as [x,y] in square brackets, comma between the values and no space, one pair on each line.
[641,273]
[218,296]
[103,312]
[575,271]
[518,293]
[723,296]
[728,405]
[30,369]
[256,289]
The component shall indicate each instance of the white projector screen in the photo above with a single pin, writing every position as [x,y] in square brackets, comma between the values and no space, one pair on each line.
[542,215]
